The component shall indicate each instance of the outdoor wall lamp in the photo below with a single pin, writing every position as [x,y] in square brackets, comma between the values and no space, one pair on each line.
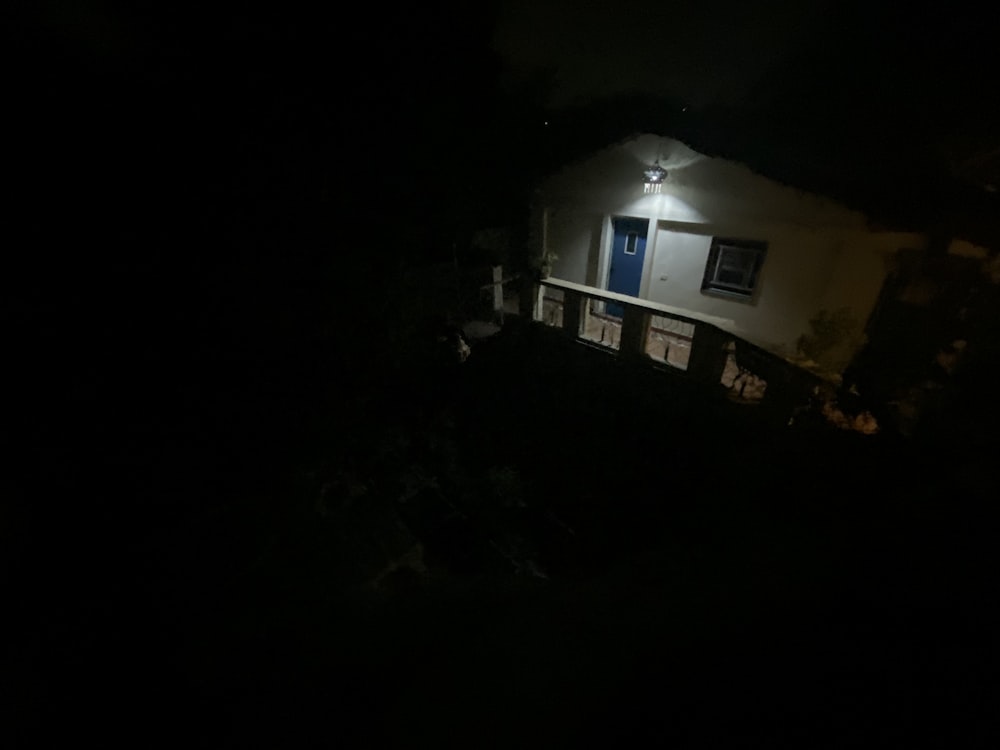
[653,178]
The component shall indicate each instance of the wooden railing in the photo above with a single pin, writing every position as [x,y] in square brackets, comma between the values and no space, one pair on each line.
[647,331]
[496,287]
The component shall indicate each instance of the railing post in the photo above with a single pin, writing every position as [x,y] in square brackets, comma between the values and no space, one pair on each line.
[635,329]
[572,302]
[530,303]
[708,354]
[498,295]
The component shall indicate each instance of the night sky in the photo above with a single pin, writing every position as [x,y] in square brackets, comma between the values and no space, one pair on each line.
[880,105]
[211,206]
[698,53]
[250,98]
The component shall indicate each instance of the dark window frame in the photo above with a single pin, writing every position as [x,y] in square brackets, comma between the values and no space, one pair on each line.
[733,267]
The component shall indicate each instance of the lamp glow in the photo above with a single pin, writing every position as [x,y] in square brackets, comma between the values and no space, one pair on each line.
[653,178]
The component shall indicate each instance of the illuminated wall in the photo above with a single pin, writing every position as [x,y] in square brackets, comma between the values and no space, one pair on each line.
[820,255]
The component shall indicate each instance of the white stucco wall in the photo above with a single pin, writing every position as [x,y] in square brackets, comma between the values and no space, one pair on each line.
[580,232]
[820,255]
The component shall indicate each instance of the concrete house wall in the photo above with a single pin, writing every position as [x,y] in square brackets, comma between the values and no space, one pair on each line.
[820,255]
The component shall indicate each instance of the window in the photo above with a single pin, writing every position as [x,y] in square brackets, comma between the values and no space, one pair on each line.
[631,240]
[733,267]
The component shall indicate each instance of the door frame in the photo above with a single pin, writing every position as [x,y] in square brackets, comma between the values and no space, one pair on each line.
[607,242]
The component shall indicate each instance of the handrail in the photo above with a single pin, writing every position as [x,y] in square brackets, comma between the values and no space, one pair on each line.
[711,345]
[507,280]
[605,295]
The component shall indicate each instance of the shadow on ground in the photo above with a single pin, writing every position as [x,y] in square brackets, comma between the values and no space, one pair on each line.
[542,546]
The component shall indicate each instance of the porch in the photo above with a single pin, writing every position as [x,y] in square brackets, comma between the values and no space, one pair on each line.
[694,347]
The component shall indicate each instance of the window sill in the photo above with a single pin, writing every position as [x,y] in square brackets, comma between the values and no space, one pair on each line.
[735,296]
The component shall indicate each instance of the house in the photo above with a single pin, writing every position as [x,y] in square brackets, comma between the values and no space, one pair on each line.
[694,239]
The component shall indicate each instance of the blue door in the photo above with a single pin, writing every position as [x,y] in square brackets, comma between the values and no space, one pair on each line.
[628,248]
